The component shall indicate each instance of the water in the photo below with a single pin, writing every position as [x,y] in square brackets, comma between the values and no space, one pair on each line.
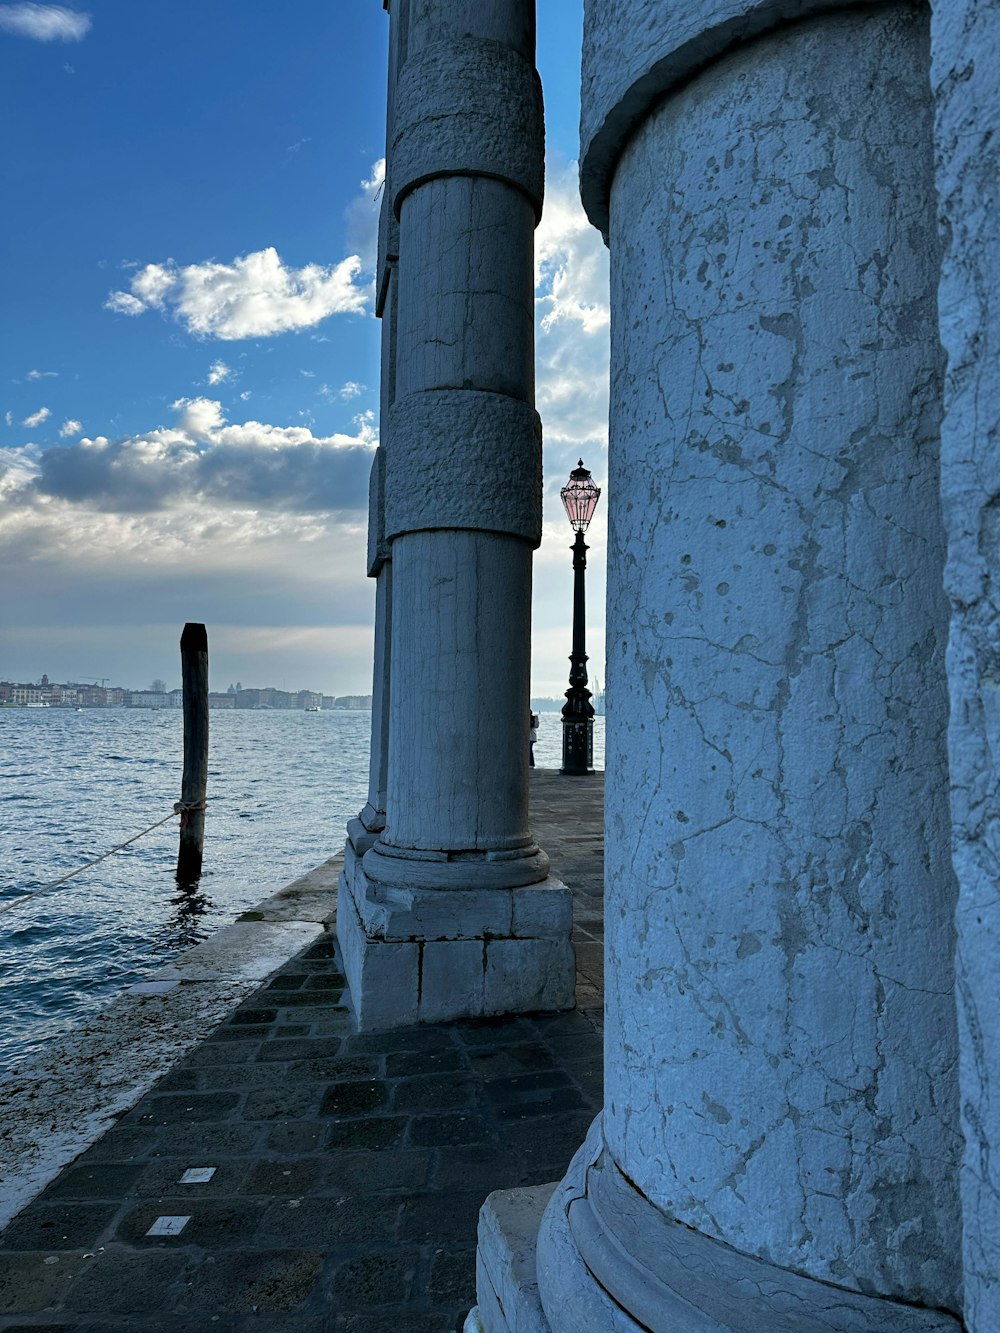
[281,788]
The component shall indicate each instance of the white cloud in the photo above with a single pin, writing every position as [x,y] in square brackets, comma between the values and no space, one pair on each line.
[43,374]
[255,296]
[69,428]
[219,372]
[572,315]
[361,215]
[203,458]
[45,23]
[308,374]
[245,395]
[351,389]
[9,418]
[37,418]
[122,303]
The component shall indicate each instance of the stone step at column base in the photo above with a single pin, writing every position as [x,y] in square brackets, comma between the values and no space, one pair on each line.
[506,1282]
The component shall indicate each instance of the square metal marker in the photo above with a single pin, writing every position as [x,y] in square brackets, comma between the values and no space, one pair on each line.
[168,1226]
[197,1175]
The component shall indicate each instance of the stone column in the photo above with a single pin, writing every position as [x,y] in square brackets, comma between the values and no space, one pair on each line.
[966,81]
[452,911]
[779,1146]
[363,830]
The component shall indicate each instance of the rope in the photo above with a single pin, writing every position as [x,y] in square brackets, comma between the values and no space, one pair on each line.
[179,808]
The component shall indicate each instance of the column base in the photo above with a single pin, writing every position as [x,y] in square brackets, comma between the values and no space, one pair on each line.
[605,1260]
[427,956]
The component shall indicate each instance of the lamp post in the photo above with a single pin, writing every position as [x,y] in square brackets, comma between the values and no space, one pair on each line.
[579,497]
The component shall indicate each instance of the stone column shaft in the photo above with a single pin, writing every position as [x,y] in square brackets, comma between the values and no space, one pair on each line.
[453,910]
[966,81]
[778,1148]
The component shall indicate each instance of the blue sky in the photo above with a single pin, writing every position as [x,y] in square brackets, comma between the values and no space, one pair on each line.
[188,355]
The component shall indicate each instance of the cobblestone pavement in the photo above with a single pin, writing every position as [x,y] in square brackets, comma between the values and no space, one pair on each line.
[346,1171]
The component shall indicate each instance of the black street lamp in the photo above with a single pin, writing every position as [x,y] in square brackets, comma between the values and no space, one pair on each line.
[579,496]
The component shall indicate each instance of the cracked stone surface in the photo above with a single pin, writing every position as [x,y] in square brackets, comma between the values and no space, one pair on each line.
[966,56]
[781,1021]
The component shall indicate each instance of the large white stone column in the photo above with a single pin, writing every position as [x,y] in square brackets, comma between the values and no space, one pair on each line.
[966,80]
[779,1146]
[452,911]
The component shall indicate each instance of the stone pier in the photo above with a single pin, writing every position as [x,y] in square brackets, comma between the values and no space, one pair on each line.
[451,911]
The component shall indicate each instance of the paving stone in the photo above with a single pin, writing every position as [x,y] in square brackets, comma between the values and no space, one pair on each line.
[323,948]
[431,1131]
[178,1080]
[217,1053]
[216,1224]
[301,1048]
[31,1281]
[438,1092]
[287,981]
[252,1280]
[453,1278]
[296,1001]
[494,1031]
[243,1017]
[297,1136]
[186,1108]
[291,1030]
[452,1215]
[373,1132]
[397,1319]
[354,1098]
[327,981]
[333,1221]
[121,1143]
[58,1226]
[511,1060]
[384,1170]
[340,1068]
[292,1176]
[121,1283]
[382,1277]
[225,1033]
[479,1169]
[404,1064]
[163,1177]
[297,1102]
[403,1039]
[104,1181]
[206,1140]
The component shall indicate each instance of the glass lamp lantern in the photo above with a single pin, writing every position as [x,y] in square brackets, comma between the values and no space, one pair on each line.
[580,497]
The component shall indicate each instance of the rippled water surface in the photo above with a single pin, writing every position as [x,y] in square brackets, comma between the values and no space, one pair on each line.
[281,788]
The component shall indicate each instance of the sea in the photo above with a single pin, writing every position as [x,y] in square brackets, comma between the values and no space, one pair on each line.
[75,784]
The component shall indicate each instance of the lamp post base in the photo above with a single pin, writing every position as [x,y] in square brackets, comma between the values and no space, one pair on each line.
[578,746]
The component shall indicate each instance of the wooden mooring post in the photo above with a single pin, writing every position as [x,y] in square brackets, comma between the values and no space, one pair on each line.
[194,782]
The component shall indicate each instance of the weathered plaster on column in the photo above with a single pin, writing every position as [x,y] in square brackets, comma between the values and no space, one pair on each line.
[781,1026]
[966,81]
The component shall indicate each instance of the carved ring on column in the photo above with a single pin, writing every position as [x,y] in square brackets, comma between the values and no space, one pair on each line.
[468,108]
[378,547]
[464,459]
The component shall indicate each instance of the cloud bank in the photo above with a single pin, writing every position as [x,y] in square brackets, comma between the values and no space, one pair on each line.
[254,296]
[44,23]
[201,459]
